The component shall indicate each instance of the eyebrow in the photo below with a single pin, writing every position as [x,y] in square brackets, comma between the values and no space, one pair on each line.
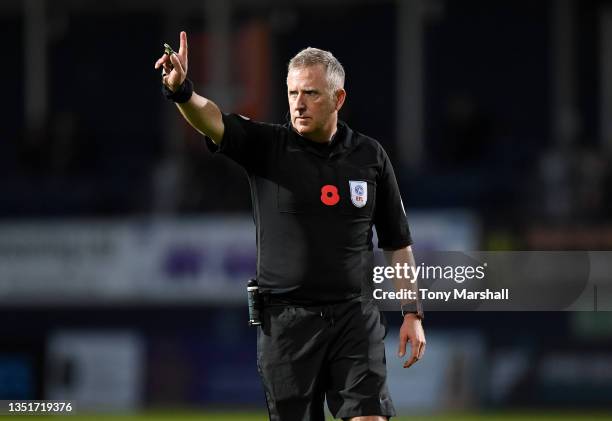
[309,90]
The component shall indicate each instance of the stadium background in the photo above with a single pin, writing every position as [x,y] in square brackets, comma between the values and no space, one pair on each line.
[124,246]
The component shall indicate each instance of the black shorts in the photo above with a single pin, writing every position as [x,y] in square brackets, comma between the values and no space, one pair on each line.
[306,354]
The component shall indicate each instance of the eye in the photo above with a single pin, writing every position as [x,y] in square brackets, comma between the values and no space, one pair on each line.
[292,93]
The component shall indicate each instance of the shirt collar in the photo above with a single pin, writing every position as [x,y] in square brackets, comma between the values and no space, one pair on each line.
[340,141]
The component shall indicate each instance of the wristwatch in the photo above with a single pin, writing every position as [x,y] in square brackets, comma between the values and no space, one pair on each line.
[415,308]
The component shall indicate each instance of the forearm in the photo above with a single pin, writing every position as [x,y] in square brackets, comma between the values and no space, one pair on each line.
[204,116]
[404,256]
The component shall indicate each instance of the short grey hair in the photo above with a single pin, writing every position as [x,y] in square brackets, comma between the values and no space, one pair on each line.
[311,57]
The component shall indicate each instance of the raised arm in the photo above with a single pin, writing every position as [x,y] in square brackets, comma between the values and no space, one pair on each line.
[201,113]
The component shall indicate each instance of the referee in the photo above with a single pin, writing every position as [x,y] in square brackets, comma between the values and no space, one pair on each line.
[317,188]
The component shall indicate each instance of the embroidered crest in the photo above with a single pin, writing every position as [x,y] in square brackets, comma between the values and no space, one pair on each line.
[359,193]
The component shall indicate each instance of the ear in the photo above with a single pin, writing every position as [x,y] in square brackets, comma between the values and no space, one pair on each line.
[340,96]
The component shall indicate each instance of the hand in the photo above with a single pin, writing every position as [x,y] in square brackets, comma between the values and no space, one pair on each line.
[174,66]
[411,330]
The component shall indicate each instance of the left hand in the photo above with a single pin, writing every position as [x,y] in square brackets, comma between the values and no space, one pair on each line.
[411,330]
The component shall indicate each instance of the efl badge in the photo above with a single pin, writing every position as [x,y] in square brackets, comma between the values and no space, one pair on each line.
[359,193]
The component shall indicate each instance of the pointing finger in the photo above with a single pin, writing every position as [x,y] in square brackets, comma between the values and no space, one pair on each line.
[183,48]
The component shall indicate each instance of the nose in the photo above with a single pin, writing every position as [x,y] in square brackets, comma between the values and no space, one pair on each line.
[300,104]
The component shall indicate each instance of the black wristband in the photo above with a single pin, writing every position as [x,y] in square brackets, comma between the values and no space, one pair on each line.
[182,94]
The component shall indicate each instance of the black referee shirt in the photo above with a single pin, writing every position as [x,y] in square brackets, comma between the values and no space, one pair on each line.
[314,206]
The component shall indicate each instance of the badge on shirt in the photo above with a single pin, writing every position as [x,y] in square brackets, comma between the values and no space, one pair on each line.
[359,193]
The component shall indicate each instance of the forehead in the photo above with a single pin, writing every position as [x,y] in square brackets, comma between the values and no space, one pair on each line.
[312,76]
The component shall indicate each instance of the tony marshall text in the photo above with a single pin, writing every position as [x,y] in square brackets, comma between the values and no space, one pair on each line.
[455,294]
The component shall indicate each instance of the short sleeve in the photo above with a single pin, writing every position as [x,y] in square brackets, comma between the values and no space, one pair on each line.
[246,142]
[389,215]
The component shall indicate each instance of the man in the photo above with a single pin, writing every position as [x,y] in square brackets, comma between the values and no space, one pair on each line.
[317,189]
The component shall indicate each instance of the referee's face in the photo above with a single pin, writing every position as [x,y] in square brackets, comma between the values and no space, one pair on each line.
[313,108]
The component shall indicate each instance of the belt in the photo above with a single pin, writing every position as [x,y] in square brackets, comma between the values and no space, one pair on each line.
[278,300]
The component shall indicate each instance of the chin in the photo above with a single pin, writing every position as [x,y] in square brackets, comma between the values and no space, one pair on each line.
[303,129]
